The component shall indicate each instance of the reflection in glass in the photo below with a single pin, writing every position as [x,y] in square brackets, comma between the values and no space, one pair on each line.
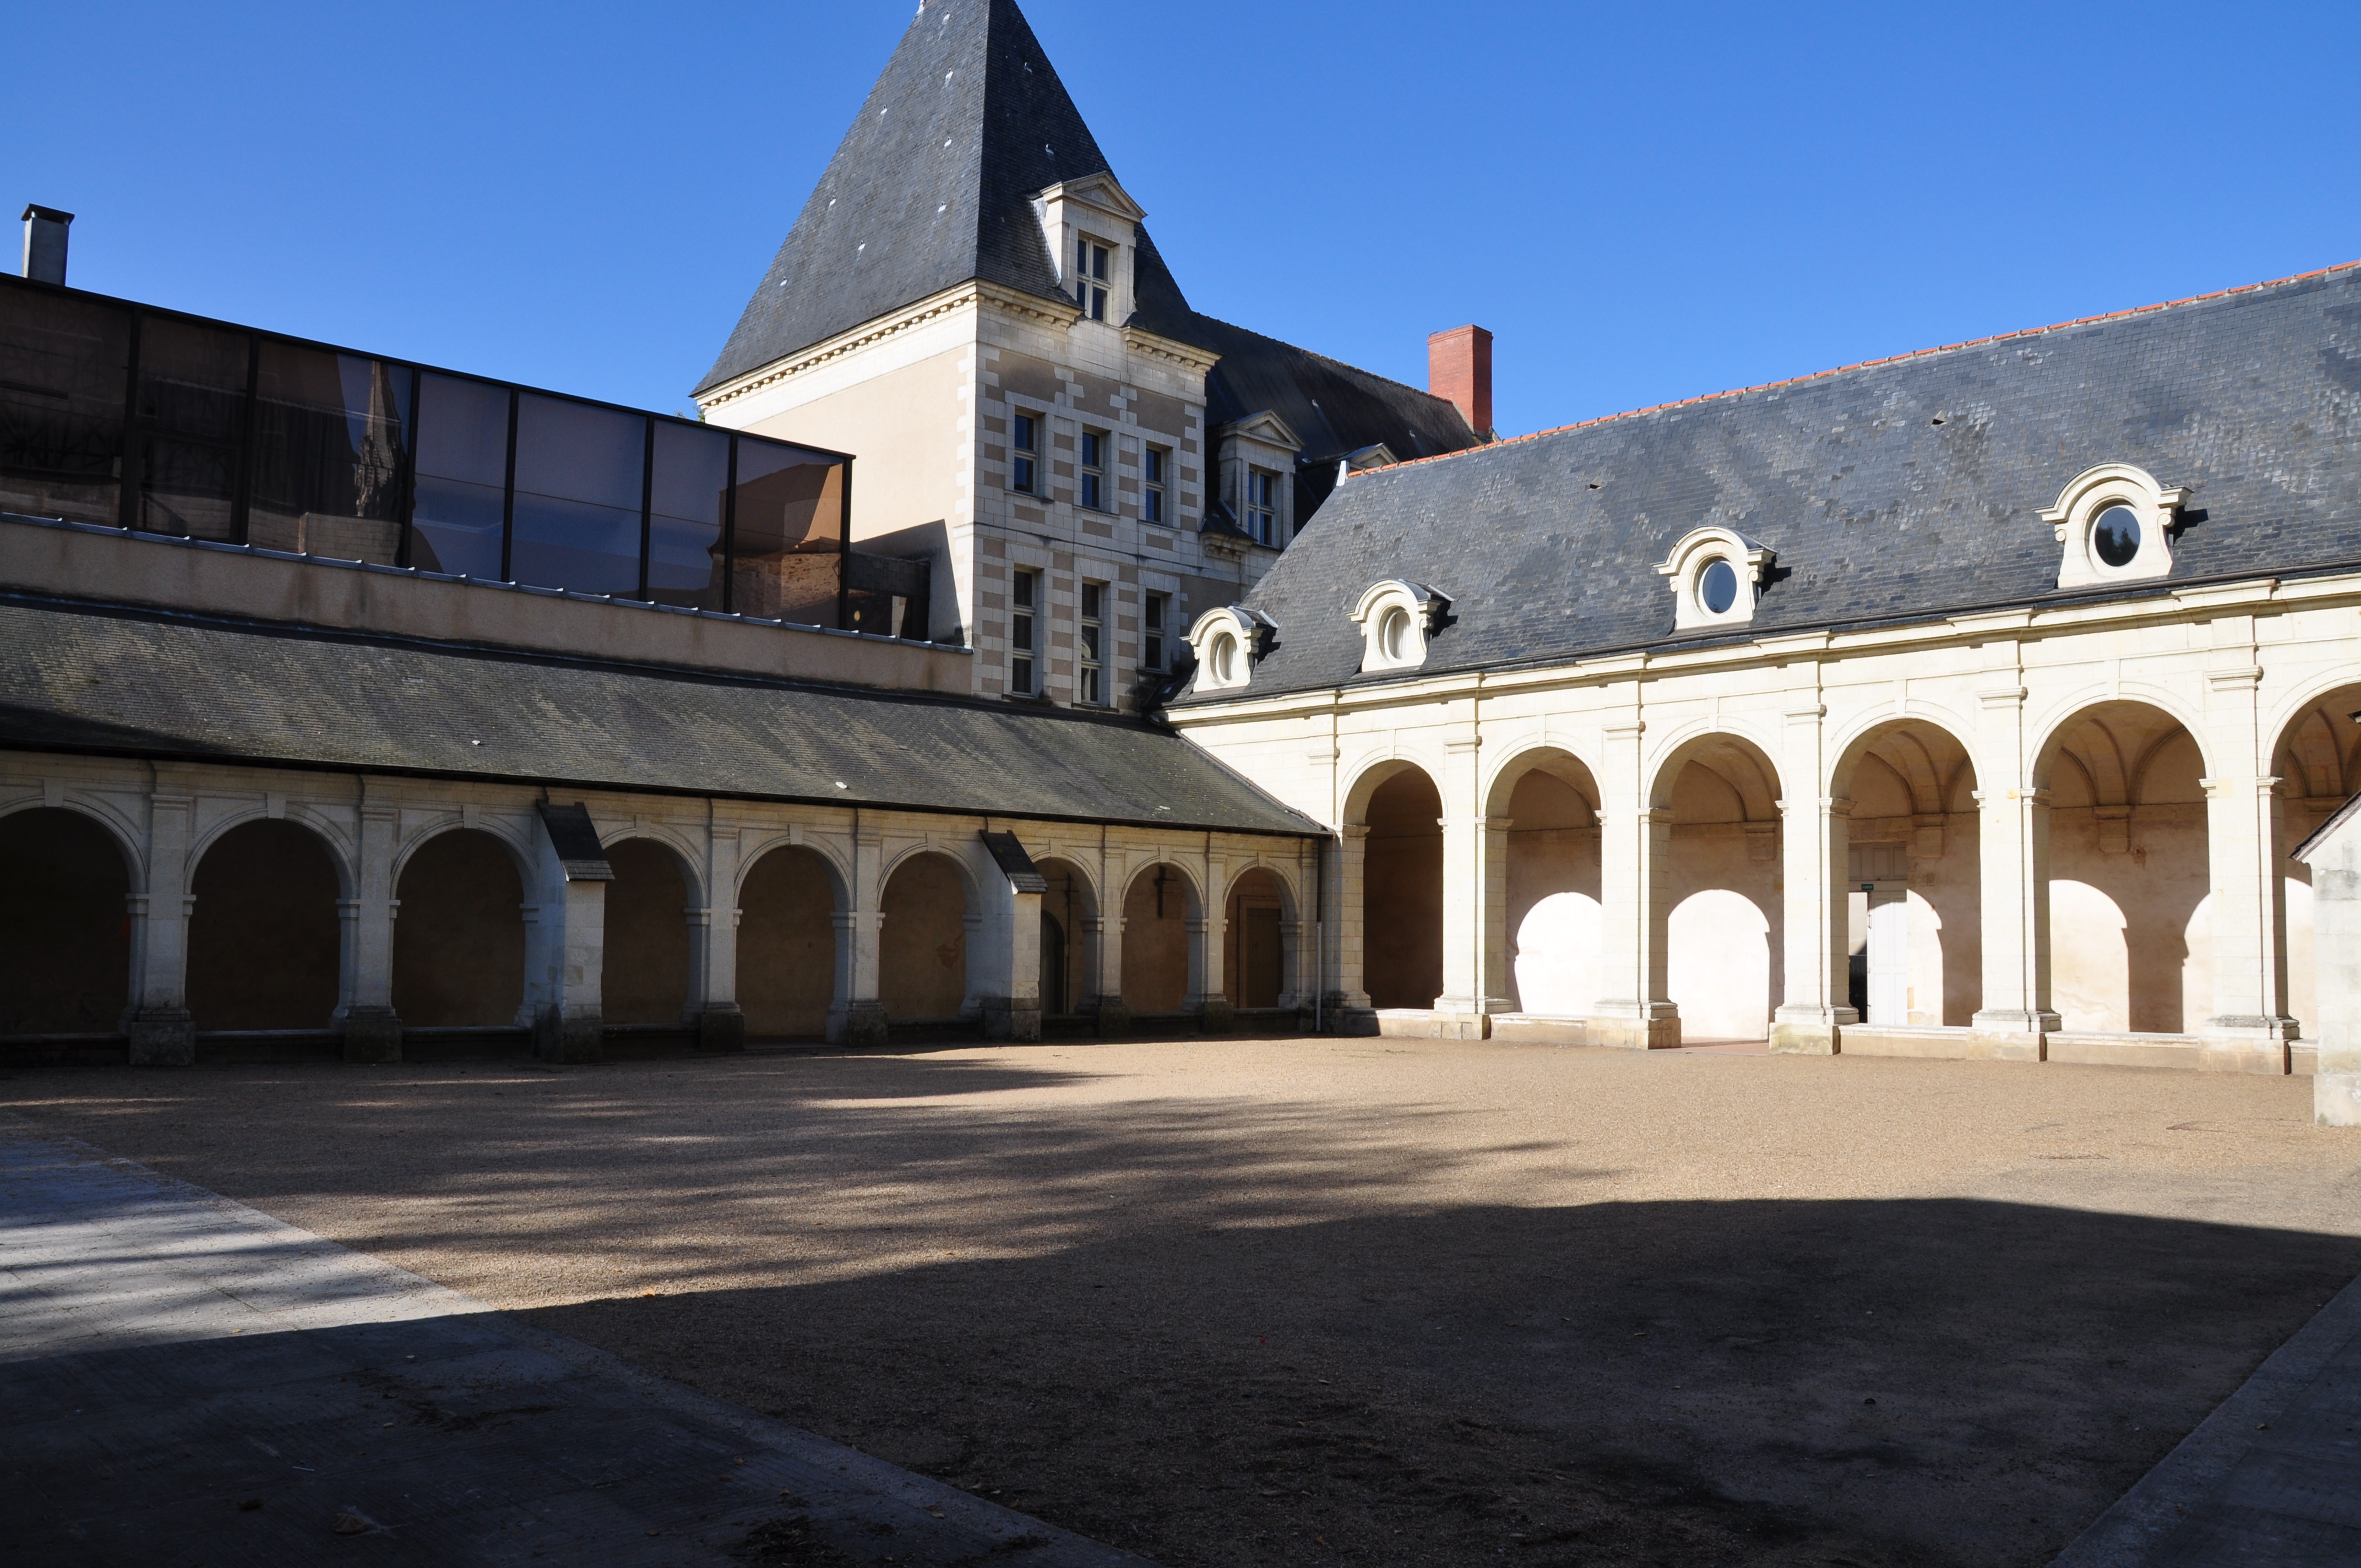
[62,367]
[692,482]
[463,468]
[2116,536]
[329,433]
[1719,588]
[192,406]
[790,532]
[578,469]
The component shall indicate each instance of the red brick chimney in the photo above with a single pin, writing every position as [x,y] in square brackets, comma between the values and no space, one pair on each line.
[1459,367]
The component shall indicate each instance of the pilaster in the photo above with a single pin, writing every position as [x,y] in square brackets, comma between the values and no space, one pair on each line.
[161,1032]
[364,1015]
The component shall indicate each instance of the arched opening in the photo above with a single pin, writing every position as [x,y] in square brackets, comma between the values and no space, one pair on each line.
[1157,913]
[264,937]
[1255,943]
[1069,958]
[645,978]
[458,937]
[2128,870]
[1723,925]
[2318,764]
[787,946]
[1552,874]
[1402,892]
[65,926]
[922,950]
[1913,877]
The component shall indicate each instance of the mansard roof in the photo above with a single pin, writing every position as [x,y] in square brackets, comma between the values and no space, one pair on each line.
[1900,490]
[89,678]
[933,187]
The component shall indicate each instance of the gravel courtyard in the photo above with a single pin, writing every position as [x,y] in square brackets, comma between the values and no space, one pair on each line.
[1385,1301]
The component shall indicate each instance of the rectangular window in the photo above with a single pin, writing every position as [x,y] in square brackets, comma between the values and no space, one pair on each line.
[1262,506]
[190,405]
[1093,469]
[331,434]
[1155,616]
[1088,687]
[1091,278]
[1153,464]
[463,475]
[1024,597]
[1024,450]
[61,406]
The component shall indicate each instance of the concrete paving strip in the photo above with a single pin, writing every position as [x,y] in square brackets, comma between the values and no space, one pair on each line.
[189,1381]
[2272,1479]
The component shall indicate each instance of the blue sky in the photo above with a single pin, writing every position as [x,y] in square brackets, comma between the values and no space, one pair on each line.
[1644,202]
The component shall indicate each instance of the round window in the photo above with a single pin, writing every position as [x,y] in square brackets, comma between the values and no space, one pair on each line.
[1718,587]
[2115,536]
[1226,658]
[1393,635]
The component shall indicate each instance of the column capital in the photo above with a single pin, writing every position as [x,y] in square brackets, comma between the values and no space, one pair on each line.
[1649,815]
[2003,696]
[1827,806]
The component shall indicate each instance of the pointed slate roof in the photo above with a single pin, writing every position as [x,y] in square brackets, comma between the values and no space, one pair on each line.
[932,187]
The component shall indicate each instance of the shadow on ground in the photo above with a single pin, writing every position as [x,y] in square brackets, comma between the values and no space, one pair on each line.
[1242,1332]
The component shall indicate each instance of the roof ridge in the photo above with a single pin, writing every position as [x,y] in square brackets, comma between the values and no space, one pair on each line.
[1323,358]
[1868,365]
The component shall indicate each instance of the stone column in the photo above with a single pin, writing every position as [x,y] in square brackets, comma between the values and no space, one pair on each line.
[2249,1028]
[1819,844]
[2016,1020]
[713,948]
[1632,1010]
[2336,933]
[1475,922]
[856,1018]
[161,1032]
[1347,1007]
[566,949]
[1103,950]
[1206,997]
[365,1016]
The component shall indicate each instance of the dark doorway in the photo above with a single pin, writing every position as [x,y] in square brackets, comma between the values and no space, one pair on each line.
[65,926]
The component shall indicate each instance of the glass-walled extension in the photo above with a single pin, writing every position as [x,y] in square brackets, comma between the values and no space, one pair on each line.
[123,416]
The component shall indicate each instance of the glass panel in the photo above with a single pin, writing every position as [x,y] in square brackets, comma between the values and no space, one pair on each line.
[329,430]
[579,469]
[463,466]
[62,361]
[790,532]
[192,406]
[692,482]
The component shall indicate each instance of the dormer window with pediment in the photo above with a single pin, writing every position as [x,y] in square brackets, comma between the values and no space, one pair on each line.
[1091,225]
[1092,270]
[1257,464]
[1396,618]
[2115,524]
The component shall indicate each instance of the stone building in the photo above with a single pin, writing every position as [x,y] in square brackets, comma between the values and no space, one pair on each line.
[1974,703]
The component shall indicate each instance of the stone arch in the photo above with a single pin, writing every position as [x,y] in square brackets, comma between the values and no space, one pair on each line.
[500,830]
[1911,872]
[2125,857]
[1071,930]
[122,833]
[1163,937]
[926,942]
[1374,773]
[2055,724]
[1544,879]
[1719,916]
[2316,756]
[832,863]
[1400,815]
[792,914]
[458,930]
[647,968]
[266,933]
[1261,929]
[327,835]
[65,924]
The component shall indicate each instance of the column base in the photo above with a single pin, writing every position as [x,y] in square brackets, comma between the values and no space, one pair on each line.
[857,1025]
[2336,1099]
[2011,1036]
[2256,1045]
[1468,1017]
[576,1038]
[1633,1026]
[372,1036]
[721,1030]
[1216,1015]
[1340,1018]
[1810,1031]
[1006,1019]
[1113,1017]
[164,1037]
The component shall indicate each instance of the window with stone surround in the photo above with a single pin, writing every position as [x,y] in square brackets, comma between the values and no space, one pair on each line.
[1023,453]
[1092,267]
[1155,464]
[1090,685]
[1262,506]
[1155,621]
[1024,597]
[1093,470]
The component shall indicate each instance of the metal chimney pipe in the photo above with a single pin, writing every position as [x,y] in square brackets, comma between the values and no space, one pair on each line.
[45,245]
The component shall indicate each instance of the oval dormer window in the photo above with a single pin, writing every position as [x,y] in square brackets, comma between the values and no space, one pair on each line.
[1718,587]
[1393,635]
[1225,660]
[2115,536]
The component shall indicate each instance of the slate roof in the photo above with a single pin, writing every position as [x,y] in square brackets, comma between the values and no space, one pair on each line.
[932,188]
[85,678]
[1547,544]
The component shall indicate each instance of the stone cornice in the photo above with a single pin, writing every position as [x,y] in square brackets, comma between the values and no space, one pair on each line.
[1188,356]
[949,301]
